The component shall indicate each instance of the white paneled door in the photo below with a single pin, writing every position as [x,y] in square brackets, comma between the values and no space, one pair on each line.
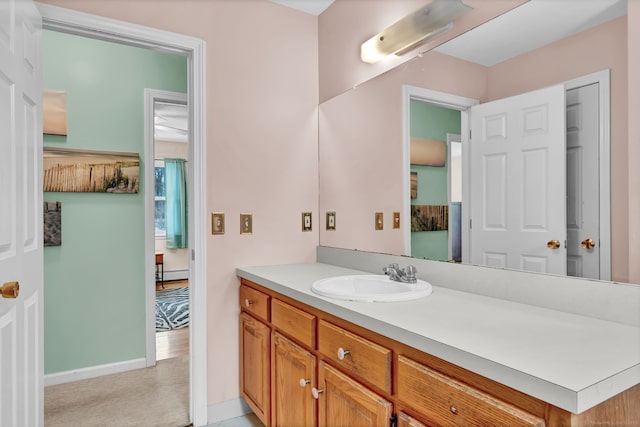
[518,187]
[21,238]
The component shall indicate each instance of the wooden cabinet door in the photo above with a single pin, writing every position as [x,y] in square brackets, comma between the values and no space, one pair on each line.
[405,420]
[292,403]
[342,402]
[254,368]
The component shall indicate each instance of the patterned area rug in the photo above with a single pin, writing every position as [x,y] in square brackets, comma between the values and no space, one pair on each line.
[172,309]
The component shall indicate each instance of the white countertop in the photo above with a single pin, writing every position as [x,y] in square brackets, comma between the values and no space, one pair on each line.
[573,362]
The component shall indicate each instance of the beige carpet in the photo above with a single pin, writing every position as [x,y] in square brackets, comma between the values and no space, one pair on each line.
[157,396]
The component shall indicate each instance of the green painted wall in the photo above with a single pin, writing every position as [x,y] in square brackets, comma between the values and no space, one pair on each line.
[94,298]
[430,121]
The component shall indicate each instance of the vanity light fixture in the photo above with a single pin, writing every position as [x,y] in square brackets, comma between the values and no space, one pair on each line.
[413,30]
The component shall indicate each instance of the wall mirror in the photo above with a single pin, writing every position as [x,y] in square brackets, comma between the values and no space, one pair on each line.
[365,170]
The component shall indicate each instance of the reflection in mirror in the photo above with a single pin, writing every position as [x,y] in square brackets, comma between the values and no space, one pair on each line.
[363,167]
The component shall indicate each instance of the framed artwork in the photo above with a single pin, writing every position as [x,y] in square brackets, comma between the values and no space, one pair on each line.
[429,217]
[54,112]
[52,223]
[414,185]
[88,171]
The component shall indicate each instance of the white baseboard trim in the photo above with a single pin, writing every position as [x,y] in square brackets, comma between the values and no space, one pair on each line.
[226,410]
[93,371]
[176,275]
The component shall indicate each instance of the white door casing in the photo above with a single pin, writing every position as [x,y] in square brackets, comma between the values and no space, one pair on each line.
[517,184]
[21,237]
[69,21]
[583,177]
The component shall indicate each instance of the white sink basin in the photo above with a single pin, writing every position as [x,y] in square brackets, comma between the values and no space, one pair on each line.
[370,288]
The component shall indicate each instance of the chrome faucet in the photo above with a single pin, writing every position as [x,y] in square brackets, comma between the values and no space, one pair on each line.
[405,275]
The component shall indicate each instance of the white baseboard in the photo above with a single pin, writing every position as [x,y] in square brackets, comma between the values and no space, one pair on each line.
[226,410]
[176,275]
[93,372]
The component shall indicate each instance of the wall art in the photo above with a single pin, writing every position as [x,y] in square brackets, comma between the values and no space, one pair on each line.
[54,112]
[429,217]
[89,171]
[52,223]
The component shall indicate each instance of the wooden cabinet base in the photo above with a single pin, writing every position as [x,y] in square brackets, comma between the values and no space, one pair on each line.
[363,378]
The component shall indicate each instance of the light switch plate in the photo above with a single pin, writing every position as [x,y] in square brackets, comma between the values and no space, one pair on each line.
[396,220]
[217,223]
[246,223]
[306,221]
[379,221]
[331,220]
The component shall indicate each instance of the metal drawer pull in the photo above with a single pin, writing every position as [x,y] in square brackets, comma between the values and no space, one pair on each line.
[303,382]
[316,392]
[342,353]
[248,302]
[454,410]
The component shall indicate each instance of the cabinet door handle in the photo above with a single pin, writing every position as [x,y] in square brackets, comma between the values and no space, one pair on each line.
[248,302]
[316,393]
[342,353]
[454,410]
[304,382]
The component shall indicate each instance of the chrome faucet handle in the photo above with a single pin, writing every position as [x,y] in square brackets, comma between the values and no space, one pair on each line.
[410,273]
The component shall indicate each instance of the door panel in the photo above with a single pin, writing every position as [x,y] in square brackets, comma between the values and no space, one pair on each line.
[21,241]
[293,403]
[518,192]
[346,403]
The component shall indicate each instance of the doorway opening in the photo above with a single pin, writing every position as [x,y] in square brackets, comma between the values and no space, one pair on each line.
[68,21]
[168,115]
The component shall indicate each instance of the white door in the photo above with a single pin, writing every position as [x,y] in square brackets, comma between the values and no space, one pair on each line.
[583,178]
[21,238]
[518,207]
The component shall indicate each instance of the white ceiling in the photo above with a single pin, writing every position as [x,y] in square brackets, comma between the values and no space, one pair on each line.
[530,26]
[314,7]
[171,122]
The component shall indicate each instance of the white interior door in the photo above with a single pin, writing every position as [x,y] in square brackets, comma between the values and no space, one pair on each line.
[21,238]
[517,181]
[583,177]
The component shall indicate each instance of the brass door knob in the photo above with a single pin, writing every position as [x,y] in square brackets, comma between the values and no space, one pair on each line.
[553,244]
[10,290]
[588,244]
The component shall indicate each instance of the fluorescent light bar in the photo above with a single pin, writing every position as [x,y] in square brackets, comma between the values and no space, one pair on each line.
[413,30]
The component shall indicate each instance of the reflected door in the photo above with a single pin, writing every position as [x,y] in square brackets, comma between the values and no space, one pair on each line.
[583,178]
[517,184]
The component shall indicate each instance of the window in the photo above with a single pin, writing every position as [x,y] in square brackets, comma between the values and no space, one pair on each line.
[160,200]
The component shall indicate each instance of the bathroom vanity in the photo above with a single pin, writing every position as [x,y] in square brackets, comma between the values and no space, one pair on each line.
[454,357]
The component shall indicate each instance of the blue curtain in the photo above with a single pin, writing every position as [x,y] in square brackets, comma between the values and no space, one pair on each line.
[176,207]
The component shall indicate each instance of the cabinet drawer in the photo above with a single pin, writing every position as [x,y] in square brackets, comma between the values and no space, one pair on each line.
[446,401]
[295,322]
[254,302]
[364,358]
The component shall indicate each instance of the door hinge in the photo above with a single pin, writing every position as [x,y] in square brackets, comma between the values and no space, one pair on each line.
[469,134]
[393,421]
[193,254]
[470,223]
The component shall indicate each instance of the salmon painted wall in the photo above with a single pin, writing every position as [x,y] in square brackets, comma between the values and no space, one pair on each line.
[262,150]
[597,49]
